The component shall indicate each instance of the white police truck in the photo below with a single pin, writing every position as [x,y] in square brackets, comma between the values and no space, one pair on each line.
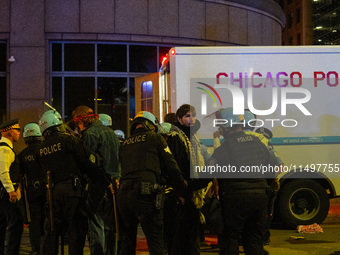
[293,91]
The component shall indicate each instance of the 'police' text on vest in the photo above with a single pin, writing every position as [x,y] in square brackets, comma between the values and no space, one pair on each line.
[135,139]
[50,149]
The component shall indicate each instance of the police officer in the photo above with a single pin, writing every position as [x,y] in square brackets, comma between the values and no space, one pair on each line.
[34,184]
[146,162]
[105,119]
[250,124]
[102,140]
[265,135]
[67,158]
[243,197]
[120,134]
[10,216]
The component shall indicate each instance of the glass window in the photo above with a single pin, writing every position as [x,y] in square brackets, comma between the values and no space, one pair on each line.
[112,100]
[79,57]
[78,91]
[290,41]
[57,93]
[3,100]
[132,105]
[290,20]
[56,57]
[146,96]
[298,16]
[101,75]
[112,58]
[3,57]
[146,89]
[3,83]
[143,59]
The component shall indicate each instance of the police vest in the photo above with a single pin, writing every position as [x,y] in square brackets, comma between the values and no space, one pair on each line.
[29,163]
[240,150]
[139,153]
[14,170]
[246,150]
[56,154]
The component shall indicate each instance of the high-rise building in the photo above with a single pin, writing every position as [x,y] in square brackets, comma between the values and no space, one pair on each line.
[326,22]
[311,22]
[298,29]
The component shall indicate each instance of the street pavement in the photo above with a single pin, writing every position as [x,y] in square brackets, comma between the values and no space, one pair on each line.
[326,243]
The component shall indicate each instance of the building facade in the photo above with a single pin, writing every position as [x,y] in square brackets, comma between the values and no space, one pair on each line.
[311,22]
[299,28]
[74,52]
[326,22]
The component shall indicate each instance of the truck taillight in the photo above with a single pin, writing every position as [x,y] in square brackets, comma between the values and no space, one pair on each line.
[173,52]
[163,60]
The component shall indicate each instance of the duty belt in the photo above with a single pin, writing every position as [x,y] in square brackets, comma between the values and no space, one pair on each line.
[145,188]
[36,183]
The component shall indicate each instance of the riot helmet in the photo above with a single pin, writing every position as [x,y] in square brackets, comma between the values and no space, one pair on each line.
[119,133]
[105,119]
[147,119]
[231,119]
[166,126]
[49,119]
[31,130]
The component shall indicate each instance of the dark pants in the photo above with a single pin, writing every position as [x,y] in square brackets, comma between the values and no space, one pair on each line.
[101,233]
[37,203]
[135,208]
[68,218]
[169,219]
[185,239]
[10,218]
[244,219]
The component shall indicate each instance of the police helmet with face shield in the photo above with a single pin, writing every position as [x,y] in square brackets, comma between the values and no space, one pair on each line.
[105,119]
[145,118]
[31,130]
[230,118]
[50,119]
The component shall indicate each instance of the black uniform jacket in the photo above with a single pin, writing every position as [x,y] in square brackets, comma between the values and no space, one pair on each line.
[145,156]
